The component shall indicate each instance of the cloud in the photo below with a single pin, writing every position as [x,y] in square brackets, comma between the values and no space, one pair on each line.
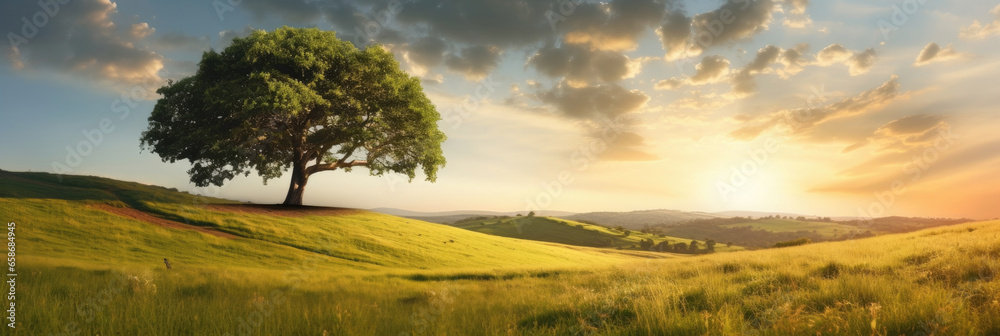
[712,69]
[979,31]
[904,134]
[735,20]
[612,26]
[832,54]
[797,17]
[700,101]
[474,62]
[593,102]
[791,59]
[627,146]
[675,34]
[288,10]
[682,36]
[139,31]
[178,41]
[668,84]
[582,66]
[934,53]
[857,63]
[81,41]
[428,51]
[226,36]
[498,22]
[764,58]
[800,121]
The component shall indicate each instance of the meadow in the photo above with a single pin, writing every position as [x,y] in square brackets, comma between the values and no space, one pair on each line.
[86,269]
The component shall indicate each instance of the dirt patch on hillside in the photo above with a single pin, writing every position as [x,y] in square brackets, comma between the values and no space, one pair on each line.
[283,210]
[146,217]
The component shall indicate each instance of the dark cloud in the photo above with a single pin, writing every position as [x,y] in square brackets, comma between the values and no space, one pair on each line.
[81,41]
[474,62]
[428,51]
[710,70]
[802,120]
[593,102]
[791,60]
[612,26]
[934,53]
[500,22]
[765,57]
[581,65]
[675,34]
[734,21]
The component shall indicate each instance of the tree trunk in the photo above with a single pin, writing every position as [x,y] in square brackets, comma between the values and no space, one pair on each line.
[297,187]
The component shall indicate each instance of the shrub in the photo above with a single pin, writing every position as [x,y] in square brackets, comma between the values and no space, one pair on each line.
[796,242]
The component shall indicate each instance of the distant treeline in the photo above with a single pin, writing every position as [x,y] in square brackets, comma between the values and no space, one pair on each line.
[749,237]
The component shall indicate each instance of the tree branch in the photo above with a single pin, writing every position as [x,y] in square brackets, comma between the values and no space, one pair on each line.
[333,166]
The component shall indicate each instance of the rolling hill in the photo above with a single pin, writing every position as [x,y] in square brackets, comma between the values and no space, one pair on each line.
[638,219]
[101,221]
[447,217]
[569,232]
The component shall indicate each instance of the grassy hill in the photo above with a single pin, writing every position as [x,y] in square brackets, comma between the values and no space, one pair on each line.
[636,220]
[106,222]
[90,251]
[564,231]
[828,229]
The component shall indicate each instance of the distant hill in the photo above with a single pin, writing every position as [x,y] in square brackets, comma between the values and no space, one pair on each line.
[448,217]
[639,219]
[570,232]
[758,214]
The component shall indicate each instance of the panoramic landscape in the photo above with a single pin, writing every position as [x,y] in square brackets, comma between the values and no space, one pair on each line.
[497,167]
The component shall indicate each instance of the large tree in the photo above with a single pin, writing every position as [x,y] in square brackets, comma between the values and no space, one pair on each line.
[296,99]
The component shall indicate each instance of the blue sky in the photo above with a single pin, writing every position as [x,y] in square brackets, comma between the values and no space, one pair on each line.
[875,85]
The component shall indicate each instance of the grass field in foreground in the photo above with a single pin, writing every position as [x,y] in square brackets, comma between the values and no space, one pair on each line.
[935,282]
[86,271]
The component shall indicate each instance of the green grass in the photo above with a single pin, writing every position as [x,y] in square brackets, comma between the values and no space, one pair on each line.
[83,271]
[828,229]
[564,231]
[52,225]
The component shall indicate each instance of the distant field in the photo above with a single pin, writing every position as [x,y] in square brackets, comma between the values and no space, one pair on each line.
[564,231]
[828,229]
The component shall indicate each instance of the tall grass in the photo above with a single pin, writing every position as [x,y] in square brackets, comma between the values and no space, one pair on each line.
[936,282]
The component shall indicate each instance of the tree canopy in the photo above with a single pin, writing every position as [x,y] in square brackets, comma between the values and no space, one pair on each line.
[297,99]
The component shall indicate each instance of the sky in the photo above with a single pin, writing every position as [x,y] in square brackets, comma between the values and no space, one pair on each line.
[835,108]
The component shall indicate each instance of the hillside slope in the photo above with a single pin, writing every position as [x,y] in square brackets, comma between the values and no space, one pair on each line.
[639,219]
[564,231]
[101,221]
